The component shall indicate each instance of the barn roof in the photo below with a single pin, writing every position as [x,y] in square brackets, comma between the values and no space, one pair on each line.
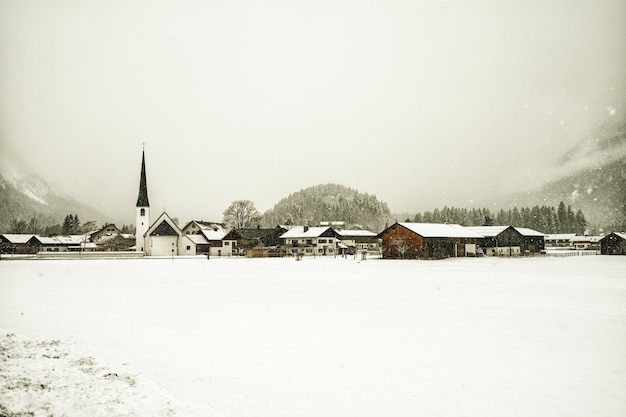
[487,231]
[441,230]
[524,231]
[17,238]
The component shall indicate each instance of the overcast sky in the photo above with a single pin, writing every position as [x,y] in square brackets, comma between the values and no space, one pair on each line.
[422,103]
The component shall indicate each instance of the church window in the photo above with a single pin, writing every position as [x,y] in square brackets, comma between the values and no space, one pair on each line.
[143,212]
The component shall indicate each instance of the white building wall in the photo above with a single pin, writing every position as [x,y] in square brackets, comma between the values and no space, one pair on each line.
[142,223]
[161,245]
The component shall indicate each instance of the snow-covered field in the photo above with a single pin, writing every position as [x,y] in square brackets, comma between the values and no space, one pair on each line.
[319,337]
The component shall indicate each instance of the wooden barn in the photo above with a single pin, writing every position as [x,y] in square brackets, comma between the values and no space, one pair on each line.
[509,240]
[428,241]
[613,244]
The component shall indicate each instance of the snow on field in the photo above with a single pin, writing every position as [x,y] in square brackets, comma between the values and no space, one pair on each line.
[319,337]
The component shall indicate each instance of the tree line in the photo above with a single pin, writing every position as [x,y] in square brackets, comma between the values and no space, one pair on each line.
[545,219]
[71,225]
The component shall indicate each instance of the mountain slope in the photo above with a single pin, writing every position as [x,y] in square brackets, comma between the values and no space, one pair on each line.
[23,196]
[330,202]
[590,176]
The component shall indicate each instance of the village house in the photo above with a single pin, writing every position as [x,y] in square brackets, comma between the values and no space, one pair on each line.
[613,244]
[586,243]
[221,242]
[428,240]
[258,242]
[358,241]
[16,244]
[508,240]
[310,241]
[559,240]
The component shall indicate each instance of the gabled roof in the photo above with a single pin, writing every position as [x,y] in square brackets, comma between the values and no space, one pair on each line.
[302,232]
[216,235]
[621,235]
[524,231]
[16,238]
[440,230]
[164,217]
[493,231]
[590,239]
[43,240]
[198,239]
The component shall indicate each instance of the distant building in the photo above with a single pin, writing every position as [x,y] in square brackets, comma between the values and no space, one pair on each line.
[427,240]
[613,244]
[509,240]
[559,240]
[310,241]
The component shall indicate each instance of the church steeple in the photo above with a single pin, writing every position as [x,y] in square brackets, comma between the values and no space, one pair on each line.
[142,199]
[143,208]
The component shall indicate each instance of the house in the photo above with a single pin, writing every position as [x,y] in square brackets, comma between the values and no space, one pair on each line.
[106,233]
[358,240]
[257,238]
[16,244]
[310,241]
[559,240]
[77,243]
[221,242]
[613,244]
[165,238]
[586,242]
[47,244]
[428,240]
[508,240]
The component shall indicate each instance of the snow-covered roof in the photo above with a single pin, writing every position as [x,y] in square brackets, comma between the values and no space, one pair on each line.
[301,232]
[359,233]
[17,238]
[560,236]
[524,231]
[212,234]
[590,239]
[198,239]
[47,240]
[72,239]
[493,231]
[441,230]
[487,231]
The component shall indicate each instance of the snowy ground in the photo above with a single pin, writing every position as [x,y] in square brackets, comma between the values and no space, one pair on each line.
[320,337]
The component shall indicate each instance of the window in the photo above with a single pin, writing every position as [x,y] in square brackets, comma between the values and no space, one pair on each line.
[322,240]
[188,247]
[142,212]
[226,243]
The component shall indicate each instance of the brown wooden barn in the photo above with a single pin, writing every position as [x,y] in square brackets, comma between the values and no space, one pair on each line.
[613,244]
[428,241]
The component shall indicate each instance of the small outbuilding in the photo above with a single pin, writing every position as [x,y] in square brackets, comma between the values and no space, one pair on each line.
[613,244]
[428,241]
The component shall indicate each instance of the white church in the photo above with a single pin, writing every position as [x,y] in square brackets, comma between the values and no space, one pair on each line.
[162,237]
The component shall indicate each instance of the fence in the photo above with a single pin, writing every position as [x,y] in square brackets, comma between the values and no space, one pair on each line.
[566,253]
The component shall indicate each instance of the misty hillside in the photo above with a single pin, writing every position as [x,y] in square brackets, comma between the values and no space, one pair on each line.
[23,196]
[591,176]
[330,202]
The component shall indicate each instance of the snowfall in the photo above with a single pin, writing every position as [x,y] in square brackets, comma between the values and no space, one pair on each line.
[334,337]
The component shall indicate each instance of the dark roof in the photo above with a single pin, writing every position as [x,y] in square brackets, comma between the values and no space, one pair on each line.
[142,199]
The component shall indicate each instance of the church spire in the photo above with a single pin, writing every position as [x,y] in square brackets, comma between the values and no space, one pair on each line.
[142,199]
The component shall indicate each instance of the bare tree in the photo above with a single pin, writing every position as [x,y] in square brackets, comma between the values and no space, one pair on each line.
[241,214]
[401,246]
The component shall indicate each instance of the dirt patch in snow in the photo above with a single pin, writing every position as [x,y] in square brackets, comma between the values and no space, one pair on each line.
[43,378]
